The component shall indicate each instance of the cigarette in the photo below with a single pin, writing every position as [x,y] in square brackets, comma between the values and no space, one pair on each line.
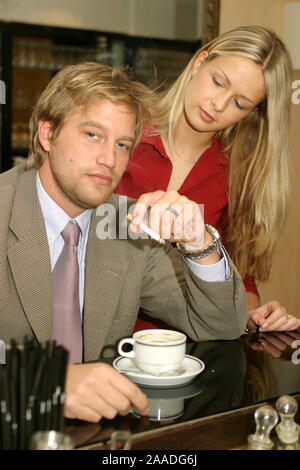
[148,230]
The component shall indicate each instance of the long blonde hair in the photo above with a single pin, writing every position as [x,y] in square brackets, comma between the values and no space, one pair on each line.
[257,145]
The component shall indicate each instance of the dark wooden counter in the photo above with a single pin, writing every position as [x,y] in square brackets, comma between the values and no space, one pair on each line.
[239,377]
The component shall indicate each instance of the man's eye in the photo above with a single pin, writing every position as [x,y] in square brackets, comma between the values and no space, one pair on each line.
[123,146]
[92,135]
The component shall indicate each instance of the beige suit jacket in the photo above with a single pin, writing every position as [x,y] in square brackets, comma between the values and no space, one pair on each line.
[121,276]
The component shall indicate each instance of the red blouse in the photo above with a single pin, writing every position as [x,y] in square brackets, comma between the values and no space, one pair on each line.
[149,169]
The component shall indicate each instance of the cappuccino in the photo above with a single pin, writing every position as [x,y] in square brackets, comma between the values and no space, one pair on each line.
[156,351]
[159,337]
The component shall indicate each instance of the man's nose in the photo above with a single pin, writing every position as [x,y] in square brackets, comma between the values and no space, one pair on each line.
[106,155]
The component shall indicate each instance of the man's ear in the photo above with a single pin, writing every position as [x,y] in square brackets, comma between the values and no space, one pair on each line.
[45,134]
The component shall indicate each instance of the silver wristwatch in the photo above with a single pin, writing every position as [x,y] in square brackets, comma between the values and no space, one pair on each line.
[215,245]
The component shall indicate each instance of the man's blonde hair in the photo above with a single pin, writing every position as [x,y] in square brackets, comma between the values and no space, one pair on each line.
[79,85]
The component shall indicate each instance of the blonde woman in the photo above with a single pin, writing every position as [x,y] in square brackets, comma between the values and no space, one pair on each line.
[222,140]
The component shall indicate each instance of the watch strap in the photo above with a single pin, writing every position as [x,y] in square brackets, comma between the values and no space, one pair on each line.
[215,245]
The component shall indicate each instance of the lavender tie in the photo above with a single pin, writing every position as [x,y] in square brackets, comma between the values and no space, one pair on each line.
[67,329]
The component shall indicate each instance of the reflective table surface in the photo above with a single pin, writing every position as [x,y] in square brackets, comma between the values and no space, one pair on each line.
[257,368]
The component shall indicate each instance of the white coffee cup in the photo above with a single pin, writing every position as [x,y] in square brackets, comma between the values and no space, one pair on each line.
[156,351]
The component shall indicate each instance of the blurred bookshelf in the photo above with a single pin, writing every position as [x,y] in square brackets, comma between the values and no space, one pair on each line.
[32,54]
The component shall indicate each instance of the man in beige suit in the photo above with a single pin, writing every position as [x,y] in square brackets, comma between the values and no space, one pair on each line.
[83,130]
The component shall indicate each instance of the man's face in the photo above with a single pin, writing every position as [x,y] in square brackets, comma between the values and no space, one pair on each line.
[86,160]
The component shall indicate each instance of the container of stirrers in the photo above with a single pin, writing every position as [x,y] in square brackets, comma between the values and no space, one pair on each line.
[32,392]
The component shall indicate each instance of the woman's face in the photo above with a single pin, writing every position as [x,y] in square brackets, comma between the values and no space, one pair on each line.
[222,91]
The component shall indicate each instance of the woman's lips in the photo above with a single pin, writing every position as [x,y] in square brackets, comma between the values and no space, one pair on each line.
[205,116]
[101,179]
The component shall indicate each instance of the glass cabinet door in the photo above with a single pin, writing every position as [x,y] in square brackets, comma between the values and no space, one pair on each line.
[31,71]
[34,62]
[36,54]
[32,54]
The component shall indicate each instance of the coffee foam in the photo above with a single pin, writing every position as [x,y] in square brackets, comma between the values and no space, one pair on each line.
[159,337]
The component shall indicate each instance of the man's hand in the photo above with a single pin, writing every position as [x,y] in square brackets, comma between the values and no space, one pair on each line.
[95,391]
[272,317]
[174,218]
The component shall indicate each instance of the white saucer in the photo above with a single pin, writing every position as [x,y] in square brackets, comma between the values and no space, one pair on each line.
[192,367]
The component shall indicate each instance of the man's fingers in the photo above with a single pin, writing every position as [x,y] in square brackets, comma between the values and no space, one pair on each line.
[94,391]
[173,216]
[134,395]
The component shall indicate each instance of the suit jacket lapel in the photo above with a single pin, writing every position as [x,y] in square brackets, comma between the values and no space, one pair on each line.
[105,273]
[29,258]
[29,261]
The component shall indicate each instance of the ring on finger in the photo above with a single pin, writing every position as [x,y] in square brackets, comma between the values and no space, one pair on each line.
[173,211]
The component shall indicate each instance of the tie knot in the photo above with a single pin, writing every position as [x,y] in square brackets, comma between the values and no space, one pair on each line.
[71,234]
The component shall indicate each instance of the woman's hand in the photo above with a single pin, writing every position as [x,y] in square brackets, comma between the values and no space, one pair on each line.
[272,317]
[274,343]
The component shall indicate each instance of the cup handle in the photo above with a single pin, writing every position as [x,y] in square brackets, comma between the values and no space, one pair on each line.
[120,347]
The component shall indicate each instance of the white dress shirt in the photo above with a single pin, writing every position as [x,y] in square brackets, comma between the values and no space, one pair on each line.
[211,272]
[55,221]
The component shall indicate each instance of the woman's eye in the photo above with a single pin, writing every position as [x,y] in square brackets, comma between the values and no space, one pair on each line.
[217,82]
[238,104]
